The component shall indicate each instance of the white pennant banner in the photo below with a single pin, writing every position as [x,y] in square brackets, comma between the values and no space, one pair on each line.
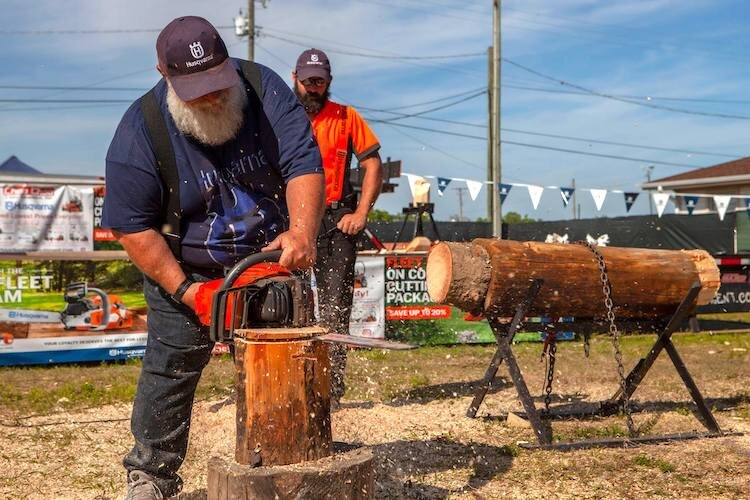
[535,193]
[599,195]
[661,200]
[474,188]
[412,181]
[722,203]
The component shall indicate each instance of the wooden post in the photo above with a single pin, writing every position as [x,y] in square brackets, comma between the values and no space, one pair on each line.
[283,402]
[492,276]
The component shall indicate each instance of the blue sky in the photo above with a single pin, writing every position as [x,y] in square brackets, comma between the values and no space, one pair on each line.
[692,50]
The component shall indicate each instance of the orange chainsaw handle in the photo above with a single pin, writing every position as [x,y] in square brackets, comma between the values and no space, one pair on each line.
[217,322]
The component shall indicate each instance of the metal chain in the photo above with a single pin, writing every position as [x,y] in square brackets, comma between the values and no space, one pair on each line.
[613,331]
[552,349]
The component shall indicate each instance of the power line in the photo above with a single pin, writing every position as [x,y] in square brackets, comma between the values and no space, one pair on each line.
[57,108]
[540,146]
[383,56]
[71,88]
[554,136]
[59,101]
[629,96]
[423,103]
[403,116]
[620,99]
[615,143]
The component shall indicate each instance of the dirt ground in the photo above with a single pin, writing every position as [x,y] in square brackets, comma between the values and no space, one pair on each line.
[410,408]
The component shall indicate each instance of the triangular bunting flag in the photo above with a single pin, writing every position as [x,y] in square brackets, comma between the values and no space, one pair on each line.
[442,184]
[630,200]
[661,200]
[598,195]
[690,203]
[567,194]
[412,181]
[474,188]
[503,191]
[722,203]
[535,193]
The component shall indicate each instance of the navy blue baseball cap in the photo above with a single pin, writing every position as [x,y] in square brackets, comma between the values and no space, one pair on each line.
[194,58]
[313,63]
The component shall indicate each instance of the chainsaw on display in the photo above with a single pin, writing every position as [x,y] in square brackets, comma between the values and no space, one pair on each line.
[84,310]
[259,293]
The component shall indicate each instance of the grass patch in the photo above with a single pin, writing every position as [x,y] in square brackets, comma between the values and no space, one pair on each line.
[684,411]
[418,380]
[53,301]
[654,463]
[46,389]
[608,431]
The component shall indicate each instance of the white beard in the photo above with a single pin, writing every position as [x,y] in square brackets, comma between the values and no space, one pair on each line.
[212,124]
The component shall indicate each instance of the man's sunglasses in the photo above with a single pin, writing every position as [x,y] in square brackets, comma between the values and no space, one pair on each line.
[313,82]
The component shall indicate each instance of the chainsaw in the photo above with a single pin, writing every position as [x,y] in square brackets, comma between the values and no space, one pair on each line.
[284,300]
[84,310]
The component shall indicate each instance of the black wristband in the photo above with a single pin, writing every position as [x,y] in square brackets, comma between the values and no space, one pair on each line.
[180,292]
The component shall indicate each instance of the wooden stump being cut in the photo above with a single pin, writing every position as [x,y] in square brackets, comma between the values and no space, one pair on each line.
[283,402]
[493,276]
[342,476]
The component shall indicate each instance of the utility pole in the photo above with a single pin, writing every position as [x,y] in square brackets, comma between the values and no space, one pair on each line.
[650,169]
[245,26]
[574,200]
[497,220]
[250,30]
[461,202]
[490,176]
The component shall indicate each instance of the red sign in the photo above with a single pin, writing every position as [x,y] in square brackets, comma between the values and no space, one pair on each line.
[103,234]
[417,312]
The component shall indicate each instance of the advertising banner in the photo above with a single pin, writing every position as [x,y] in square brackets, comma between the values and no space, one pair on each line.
[71,349]
[101,234]
[412,317]
[55,311]
[368,315]
[731,298]
[45,218]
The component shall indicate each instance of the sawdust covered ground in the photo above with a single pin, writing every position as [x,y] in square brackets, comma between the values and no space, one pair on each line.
[410,407]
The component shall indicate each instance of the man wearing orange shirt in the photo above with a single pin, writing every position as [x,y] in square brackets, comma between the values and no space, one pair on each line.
[341,133]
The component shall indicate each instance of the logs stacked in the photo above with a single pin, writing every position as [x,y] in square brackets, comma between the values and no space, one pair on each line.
[492,276]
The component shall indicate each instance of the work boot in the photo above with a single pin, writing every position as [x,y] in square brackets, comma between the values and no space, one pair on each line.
[141,486]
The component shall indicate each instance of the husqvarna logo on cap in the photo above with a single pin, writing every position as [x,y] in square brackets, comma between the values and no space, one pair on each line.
[196,49]
[314,57]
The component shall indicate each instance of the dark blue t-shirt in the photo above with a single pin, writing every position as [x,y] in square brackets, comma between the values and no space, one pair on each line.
[232,196]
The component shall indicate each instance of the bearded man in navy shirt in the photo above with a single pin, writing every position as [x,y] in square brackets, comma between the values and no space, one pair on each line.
[247,177]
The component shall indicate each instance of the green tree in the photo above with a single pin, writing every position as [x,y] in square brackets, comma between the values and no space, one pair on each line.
[516,218]
[377,215]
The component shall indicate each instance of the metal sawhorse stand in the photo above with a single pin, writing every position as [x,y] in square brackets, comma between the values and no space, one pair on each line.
[542,430]
[418,211]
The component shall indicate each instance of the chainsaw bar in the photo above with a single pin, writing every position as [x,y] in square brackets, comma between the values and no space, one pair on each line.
[351,340]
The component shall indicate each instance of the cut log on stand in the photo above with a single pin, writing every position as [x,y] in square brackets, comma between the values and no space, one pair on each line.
[493,276]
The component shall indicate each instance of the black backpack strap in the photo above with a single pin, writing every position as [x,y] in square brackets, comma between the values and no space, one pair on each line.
[251,72]
[166,166]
